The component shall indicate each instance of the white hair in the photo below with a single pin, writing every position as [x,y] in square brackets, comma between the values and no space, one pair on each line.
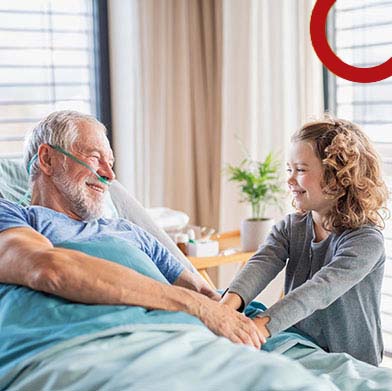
[59,128]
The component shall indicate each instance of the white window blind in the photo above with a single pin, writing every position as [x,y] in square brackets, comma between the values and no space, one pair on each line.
[361,32]
[46,64]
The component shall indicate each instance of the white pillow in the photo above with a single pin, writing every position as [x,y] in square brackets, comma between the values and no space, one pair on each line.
[168,219]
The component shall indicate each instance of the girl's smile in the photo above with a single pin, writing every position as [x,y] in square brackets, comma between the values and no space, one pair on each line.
[305,172]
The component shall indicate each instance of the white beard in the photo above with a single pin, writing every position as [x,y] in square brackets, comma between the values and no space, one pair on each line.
[82,204]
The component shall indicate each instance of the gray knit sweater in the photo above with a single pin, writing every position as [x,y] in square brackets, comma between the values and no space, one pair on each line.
[332,288]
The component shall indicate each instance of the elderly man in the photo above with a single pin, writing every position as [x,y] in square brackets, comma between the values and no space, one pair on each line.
[70,164]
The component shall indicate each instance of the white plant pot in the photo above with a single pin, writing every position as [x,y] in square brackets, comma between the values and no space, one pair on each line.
[254,233]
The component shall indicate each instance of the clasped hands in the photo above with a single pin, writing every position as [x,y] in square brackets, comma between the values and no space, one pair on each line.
[252,331]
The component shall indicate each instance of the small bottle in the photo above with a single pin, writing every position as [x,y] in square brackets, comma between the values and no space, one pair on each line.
[181,241]
[191,235]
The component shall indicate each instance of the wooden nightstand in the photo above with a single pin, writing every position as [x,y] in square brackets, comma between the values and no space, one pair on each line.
[227,240]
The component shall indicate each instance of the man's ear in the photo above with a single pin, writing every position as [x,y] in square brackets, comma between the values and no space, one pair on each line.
[45,157]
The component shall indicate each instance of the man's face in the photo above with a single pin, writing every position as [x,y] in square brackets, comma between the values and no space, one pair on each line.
[81,192]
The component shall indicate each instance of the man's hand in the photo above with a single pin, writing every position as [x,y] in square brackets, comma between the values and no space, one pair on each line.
[234,301]
[224,321]
[213,295]
[196,283]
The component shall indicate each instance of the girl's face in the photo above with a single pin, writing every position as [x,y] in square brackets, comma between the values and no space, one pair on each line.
[305,173]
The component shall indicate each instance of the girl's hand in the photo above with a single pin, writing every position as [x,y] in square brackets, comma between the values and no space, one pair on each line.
[261,322]
[232,300]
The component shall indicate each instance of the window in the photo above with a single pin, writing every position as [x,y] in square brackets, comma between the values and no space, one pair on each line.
[360,33]
[48,61]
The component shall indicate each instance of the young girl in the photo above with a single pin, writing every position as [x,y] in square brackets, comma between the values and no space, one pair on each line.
[332,247]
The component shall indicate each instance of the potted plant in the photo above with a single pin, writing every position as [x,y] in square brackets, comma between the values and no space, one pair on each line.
[260,186]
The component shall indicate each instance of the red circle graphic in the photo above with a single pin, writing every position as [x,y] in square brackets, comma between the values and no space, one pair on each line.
[318,23]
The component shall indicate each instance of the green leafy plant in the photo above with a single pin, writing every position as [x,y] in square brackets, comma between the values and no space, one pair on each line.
[259,183]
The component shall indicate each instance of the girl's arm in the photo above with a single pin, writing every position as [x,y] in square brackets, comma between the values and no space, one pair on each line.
[262,268]
[233,300]
[357,254]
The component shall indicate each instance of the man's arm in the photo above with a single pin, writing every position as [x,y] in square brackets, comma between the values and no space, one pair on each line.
[27,258]
[167,263]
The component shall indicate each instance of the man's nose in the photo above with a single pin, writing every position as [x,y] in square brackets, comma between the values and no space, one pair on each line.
[106,171]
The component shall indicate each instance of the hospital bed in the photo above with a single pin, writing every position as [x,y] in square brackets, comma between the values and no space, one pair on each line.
[49,343]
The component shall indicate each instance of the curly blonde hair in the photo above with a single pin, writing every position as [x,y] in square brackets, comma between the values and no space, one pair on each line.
[352,173]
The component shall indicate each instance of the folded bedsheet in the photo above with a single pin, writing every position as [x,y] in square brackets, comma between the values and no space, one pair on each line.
[187,357]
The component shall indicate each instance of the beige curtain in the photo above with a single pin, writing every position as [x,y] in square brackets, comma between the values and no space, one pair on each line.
[181,102]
